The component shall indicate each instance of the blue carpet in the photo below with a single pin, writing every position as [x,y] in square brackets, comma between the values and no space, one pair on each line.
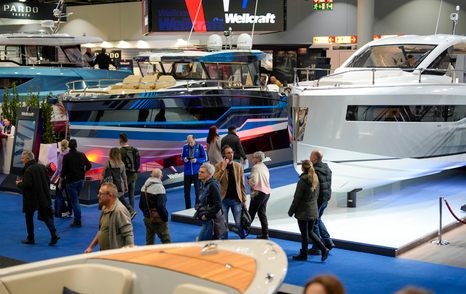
[360,272]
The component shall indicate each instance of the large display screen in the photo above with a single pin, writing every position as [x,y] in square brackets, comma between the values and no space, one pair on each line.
[215,15]
[25,131]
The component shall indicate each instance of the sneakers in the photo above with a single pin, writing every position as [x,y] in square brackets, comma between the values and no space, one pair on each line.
[28,242]
[54,240]
[313,251]
[76,224]
[133,214]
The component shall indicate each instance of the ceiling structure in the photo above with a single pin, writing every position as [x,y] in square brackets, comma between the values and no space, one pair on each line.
[84,2]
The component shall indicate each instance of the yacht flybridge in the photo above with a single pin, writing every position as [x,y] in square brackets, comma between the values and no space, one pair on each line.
[396,109]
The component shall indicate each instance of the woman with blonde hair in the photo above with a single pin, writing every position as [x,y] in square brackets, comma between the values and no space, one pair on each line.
[115,172]
[61,208]
[304,208]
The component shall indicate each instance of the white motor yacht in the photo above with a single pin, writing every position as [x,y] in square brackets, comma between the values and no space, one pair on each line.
[396,109]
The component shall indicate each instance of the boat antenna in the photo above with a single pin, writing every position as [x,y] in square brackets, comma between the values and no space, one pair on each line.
[254,23]
[438,17]
[454,18]
[194,22]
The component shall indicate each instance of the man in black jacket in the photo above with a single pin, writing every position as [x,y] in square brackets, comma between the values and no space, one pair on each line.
[325,192]
[75,165]
[35,186]
[232,140]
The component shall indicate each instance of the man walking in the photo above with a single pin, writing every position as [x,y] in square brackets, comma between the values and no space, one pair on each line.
[232,140]
[75,165]
[35,186]
[230,174]
[325,192]
[115,227]
[131,159]
[193,155]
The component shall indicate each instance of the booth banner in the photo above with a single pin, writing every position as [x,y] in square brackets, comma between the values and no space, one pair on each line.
[28,10]
[215,15]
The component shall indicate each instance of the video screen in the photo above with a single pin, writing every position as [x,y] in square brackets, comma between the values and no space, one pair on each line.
[24,140]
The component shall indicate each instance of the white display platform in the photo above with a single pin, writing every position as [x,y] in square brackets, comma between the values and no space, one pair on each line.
[388,220]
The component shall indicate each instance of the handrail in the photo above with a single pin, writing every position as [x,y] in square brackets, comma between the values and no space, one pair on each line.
[373,71]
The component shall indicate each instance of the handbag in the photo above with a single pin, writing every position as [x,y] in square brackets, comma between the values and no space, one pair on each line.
[154,215]
[245,220]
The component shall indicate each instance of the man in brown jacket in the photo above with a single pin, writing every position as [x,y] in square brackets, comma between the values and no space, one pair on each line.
[230,174]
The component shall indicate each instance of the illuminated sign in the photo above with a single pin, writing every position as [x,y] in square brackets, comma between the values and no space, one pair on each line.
[323,40]
[346,39]
[378,37]
[35,10]
[213,15]
[322,4]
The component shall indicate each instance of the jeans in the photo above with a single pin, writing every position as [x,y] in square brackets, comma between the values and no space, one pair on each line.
[60,205]
[306,232]
[74,189]
[188,180]
[319,227]
[30,225]
[206,231]
[236,207]
[131,188]
[152,229]
[259,205]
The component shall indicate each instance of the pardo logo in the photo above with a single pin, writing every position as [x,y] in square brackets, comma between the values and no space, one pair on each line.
[20,8]
[245,17]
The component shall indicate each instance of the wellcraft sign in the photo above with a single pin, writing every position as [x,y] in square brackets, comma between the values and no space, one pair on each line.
[27,10]
[214,15]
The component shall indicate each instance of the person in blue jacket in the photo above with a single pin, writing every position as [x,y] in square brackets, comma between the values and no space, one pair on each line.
[193,155]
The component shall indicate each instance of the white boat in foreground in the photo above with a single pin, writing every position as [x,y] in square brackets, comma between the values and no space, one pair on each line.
[396,109]
[237,266]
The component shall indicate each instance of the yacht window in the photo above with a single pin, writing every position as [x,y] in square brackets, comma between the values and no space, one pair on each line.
[10,53]
[392,56]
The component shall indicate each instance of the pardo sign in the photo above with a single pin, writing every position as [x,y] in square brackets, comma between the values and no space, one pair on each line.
[20,8]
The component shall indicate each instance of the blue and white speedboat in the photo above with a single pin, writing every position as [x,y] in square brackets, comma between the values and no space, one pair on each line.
[180,93]
[44,63]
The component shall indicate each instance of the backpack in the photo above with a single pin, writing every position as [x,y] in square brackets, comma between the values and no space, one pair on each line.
[131,160]
[112,175]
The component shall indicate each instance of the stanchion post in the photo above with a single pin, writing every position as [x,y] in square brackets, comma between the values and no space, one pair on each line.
[439,241]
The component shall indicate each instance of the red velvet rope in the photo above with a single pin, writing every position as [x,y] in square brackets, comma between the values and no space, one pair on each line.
[452,213]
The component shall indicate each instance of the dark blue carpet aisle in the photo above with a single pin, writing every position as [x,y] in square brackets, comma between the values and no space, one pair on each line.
[360,272]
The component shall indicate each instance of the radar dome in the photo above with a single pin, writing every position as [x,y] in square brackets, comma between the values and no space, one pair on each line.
[244,42]
[214,42]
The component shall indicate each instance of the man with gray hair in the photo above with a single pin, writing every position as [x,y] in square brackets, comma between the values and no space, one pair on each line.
[259,182]
[35,186]
[193,155]
[115,227]
[153,197]
[325,192]
[209,211]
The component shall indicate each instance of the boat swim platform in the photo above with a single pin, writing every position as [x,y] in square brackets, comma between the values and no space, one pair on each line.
[388,220]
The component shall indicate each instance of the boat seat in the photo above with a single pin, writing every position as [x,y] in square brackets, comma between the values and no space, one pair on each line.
[3,290]
[148,82]
[195,289]
[81,278]
[130,82]
[165,81]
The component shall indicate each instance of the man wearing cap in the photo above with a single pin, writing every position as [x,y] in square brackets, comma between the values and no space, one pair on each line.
[232,140]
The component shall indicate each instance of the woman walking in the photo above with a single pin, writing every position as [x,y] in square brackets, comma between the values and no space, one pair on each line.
[304,208]
[214,150]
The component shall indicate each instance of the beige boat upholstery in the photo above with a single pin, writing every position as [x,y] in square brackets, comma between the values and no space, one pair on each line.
[81,278]
[195,289]
[3,290]
[223,267]
[165,81]
[148,82]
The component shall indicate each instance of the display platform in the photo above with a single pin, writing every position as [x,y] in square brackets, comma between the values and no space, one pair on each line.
[388,220]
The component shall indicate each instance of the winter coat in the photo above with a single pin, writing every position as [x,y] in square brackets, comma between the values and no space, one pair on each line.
[156,198]
[222,176]
[210,201]
[214,151]
[198,153]
[325,182]
[35,187]
[304,205]
[120,228]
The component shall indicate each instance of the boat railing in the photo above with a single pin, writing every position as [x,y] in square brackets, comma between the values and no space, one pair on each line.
[452,73]
[90,85]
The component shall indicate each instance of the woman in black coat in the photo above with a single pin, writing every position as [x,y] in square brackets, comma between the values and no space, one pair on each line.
[304,208]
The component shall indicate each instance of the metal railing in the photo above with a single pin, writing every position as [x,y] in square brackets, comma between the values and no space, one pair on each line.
[420,71]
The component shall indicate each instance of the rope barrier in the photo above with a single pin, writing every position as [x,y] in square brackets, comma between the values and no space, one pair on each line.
[452,213]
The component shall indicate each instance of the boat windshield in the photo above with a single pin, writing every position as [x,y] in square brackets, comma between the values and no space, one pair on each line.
[392,56]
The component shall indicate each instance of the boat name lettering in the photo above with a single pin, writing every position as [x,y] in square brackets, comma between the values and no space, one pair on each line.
[249,18]
[20,8]
[27,113]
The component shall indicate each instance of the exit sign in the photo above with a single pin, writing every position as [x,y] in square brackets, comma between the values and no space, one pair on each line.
[322,4]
